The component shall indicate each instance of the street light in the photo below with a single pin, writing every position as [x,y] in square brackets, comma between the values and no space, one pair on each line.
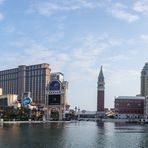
[78,113]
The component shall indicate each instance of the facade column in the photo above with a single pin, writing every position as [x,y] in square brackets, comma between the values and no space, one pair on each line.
[60,116]
[48,114]
[78,114]
[21,80]
[60,113]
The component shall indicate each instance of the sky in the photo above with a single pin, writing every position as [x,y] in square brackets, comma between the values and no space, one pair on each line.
[76,37]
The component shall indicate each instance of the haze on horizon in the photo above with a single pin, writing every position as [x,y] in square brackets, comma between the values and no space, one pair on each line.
[76,37]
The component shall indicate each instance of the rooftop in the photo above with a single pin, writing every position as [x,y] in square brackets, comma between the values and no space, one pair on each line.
[130,97]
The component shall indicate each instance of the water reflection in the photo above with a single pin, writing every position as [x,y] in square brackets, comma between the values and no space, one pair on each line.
[72,135]
[100,124]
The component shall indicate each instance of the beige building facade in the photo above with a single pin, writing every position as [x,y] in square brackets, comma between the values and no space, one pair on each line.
[33,79]
[8,100]
[144,88]
[1,91]
[144,80]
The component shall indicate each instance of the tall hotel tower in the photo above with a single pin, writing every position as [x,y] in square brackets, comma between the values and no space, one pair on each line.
[33,79]
[100,92]
[144,80]
[144,88]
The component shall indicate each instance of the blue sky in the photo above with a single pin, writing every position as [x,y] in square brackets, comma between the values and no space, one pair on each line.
[76,37]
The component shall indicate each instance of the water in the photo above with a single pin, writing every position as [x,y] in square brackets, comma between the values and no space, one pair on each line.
[74,135]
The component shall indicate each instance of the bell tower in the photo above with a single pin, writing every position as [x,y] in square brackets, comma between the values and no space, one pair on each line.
[100,91]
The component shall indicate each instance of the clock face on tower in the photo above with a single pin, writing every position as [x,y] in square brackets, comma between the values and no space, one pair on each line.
[54,86]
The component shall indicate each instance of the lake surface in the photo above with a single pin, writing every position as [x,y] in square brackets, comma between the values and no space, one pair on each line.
[74,135]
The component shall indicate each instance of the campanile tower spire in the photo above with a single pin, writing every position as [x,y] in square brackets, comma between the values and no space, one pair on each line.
[100,91]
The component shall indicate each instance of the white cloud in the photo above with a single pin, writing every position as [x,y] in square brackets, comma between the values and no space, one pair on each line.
[88,54]
[119,11]
[119,58]
[37,53]
[55,37]
[60,22]
[89,49]
[1,16]
[141,6]
[83,54]
[46,8]
[123,75]
[9,29]
[121,82]
[144,37]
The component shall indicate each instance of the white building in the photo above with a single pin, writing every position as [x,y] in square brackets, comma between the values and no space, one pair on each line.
[8,100]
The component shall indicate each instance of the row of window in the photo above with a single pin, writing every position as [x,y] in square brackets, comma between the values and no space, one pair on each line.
[35,72]
[9,88]
[10,71]
[9,76]
[37,66]
[128,105]
[130,111]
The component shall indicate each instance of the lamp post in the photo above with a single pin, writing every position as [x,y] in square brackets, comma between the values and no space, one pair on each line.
[75,112]
[78,113]
[76,108]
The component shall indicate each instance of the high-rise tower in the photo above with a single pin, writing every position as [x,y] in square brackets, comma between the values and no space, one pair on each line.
[144,80]
[100,92]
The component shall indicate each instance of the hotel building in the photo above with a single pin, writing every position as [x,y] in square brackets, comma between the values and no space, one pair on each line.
[129,106]
[33,79]
[144,80]
[144,88]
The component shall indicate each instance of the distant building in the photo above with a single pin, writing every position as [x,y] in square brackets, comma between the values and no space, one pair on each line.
[33,79]
[146,107]
[8,100]
[87,115]
[1,91]
[129,106]
[144,88]
[106,109]
[56,100]
[112,109]
[100,92]
[144,80]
